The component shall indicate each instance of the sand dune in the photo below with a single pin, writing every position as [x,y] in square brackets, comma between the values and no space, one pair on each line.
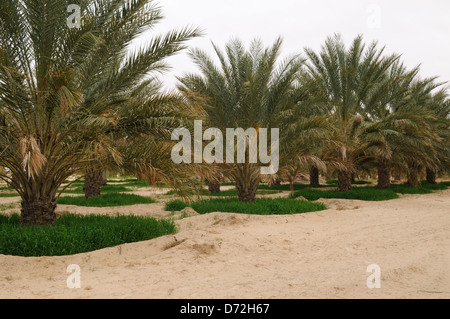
[315,255]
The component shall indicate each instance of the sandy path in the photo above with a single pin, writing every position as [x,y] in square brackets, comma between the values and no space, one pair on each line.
[315,255]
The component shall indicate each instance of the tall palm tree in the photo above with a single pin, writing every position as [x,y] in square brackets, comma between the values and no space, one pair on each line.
[248,89]
[59,91]
[344,81]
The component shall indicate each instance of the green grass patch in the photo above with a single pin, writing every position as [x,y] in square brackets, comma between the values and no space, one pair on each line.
[134,183]
[262,206]
[74,234]
[104,189]
[361,193]
[362,183]
[203,192]
[129,182]
[228,184]
[175,205]
[76,183]
[335,181]
[424,188]
[228,192]
[9,194]
[106,200]
[286,187]
[268,191]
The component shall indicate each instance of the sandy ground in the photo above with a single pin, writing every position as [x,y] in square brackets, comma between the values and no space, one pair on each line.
[315,255]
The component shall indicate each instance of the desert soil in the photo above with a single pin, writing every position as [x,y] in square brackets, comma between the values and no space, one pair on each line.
[220,255]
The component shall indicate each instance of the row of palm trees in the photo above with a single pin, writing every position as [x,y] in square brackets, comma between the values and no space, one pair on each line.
[75,101]
[342,109]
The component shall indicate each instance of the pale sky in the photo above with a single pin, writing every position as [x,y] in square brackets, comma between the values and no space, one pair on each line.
[419,30]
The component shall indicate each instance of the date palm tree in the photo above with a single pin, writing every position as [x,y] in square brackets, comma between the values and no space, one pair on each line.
[248,89]
[439,104]
[405,133]
[61,89]
[344,81]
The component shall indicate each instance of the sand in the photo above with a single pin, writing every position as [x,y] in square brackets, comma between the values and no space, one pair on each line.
[315,255]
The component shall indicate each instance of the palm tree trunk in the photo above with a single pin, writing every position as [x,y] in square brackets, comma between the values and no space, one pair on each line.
[247,194]
[314,176]
[328,175]
[104,177]
[431,175]
[246,189]
[344,181]
[413,174]
[93,182]
[384,173]
[38,212]
[214,186]
[276,181]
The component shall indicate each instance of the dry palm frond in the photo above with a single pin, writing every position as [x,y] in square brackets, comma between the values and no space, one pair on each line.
[33,160]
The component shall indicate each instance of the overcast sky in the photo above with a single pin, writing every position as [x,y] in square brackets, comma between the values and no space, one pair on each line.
[419,30]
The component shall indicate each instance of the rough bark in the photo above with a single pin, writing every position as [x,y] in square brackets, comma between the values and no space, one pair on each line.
[344,181]
[38,212]
[247,192]
[104,178]
[413,174]
[431,175]
[277,182]
[214,186]
[247,195]
[328,175]
[384,173]
[314,176]
[93,182]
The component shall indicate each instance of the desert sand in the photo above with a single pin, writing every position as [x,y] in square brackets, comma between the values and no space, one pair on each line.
[220,255]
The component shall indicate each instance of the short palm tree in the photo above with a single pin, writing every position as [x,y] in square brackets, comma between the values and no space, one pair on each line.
[61,89]
[404,134]
[439,104]
[248,89]
[344,80]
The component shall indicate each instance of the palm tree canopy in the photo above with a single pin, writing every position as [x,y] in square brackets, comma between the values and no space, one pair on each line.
[62,88]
